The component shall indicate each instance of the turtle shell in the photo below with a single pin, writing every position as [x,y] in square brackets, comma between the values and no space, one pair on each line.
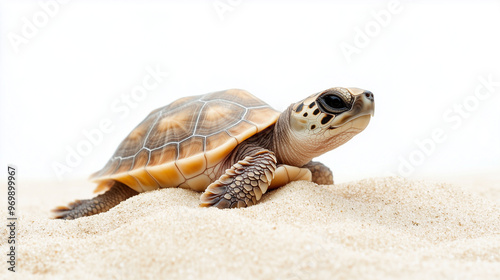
[183,139]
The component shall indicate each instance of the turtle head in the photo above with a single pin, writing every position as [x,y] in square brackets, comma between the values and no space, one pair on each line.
[332,112]
[328,119]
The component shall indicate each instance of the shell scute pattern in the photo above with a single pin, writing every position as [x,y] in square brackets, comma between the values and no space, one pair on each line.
[180,141]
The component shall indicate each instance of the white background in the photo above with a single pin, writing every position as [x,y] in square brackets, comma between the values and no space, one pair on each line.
[65,77]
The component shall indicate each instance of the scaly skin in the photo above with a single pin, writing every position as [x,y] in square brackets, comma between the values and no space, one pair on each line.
[321,174]
[101,203]
[244,183]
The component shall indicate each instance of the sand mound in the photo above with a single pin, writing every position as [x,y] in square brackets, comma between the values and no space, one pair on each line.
[375,228]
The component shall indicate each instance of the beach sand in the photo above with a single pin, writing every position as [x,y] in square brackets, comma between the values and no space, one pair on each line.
[378,228]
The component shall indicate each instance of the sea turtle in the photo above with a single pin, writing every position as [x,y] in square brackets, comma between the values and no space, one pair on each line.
[229,144]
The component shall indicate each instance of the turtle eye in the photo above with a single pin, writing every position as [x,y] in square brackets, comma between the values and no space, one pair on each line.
[332,104]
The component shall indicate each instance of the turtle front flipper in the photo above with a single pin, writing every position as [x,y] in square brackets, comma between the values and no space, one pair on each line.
[101,203]
[243,184]
[287,173]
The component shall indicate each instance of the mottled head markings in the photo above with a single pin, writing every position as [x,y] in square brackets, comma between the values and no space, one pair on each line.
[305,114]
[299,108]
[326,119]
[316,112]
[312,105]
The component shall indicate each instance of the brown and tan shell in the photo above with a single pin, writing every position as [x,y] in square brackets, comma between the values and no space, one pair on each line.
[183,139]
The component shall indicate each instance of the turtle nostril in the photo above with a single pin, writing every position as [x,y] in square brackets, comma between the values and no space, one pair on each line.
[369,95]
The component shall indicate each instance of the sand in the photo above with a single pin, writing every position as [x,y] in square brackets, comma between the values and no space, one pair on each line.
[379,228]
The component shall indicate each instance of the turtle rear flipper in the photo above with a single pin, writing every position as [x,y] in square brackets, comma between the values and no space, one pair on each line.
[101,203]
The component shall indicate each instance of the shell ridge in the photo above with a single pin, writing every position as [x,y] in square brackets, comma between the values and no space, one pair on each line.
[137,180]
[228,101]
[146,169]
[180,172]
[151,128]
[134,155]
[198,118]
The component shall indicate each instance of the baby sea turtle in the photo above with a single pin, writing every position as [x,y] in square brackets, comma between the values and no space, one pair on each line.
[229,144]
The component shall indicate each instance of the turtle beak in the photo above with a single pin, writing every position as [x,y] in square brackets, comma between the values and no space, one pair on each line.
[364,104]
[368,101]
